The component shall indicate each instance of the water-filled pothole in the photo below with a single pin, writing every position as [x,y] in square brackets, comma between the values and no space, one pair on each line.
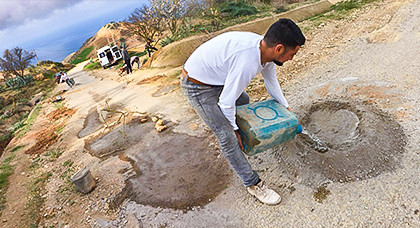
[174,170]
[363,140]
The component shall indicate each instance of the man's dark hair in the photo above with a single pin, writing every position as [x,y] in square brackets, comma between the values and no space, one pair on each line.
[285,32]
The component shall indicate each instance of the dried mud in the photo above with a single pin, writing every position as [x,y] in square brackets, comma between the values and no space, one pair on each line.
[173,170]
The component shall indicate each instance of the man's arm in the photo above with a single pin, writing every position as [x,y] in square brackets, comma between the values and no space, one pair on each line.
[272,84]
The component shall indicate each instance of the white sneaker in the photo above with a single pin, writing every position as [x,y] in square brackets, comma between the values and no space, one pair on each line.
[264,193]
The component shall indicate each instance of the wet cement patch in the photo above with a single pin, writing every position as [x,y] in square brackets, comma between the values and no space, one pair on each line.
[363,140]
[92,123]
[173,170]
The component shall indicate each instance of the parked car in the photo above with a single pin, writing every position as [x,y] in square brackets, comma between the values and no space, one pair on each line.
[109,55]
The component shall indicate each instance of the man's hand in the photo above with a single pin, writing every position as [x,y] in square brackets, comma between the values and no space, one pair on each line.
[239,139]
[288,108]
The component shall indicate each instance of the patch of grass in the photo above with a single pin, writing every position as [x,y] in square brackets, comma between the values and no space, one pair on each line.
[36,201]
[6,169]
[59,104]
[53,154]
[81,57]
[139,54]
[340,10]
[30,121]
[119,65]
[16,148]
[60,129]
[92,66]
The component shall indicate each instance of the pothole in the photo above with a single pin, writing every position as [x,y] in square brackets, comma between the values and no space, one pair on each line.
[363,140]
[174,170]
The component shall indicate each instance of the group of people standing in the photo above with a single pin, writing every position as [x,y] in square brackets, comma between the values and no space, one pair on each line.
[129,61]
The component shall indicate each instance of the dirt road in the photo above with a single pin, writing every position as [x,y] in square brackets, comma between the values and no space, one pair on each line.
[355,84]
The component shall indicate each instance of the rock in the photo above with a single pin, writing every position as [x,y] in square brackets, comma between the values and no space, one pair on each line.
[160,122]
[193,126]
[161,128]
[144,120]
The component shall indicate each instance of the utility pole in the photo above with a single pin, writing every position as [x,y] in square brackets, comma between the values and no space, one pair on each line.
[35,55]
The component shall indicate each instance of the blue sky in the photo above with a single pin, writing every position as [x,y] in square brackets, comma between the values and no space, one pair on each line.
[56,28]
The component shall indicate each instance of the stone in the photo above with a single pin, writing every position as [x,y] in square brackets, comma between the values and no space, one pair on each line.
[193,126]
[161,128]
[160,122]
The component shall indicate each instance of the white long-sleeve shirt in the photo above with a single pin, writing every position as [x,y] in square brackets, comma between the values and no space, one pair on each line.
[233,59]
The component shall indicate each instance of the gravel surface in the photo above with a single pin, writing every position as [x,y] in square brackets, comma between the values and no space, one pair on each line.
[371,57]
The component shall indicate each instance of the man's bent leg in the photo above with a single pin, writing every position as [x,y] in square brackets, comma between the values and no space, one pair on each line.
[204,101]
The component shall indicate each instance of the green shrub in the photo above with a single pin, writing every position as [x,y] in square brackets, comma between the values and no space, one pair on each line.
[19,82]
[81,57]
[236,9]
[92,66]
[139,54]
[169,40]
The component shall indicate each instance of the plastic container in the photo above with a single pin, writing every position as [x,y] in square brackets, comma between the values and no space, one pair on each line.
[264,125]
[83,180]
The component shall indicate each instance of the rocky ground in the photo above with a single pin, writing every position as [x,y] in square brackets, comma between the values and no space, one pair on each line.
[361,70]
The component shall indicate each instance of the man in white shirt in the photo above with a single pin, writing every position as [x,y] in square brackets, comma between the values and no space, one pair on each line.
[215,76]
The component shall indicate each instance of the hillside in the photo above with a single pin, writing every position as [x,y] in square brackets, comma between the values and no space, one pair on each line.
[107,34]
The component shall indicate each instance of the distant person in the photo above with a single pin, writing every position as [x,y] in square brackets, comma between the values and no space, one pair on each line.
[214,79]
[58,78]
[66,78]
[135,59]
[126,58]
[148,47]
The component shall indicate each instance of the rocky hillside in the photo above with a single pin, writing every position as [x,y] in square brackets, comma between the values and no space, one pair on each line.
[109,33]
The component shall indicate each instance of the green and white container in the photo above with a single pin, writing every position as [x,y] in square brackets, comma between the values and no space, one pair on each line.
[264,125]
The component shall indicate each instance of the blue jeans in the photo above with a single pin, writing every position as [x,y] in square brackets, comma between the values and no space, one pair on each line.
[204,101]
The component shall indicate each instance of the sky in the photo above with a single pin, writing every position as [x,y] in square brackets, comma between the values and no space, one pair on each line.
[56,28]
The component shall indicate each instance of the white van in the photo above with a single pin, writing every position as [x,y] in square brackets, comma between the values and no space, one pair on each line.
[108,56]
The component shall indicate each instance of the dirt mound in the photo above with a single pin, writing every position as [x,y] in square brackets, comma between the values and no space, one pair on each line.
[45,138]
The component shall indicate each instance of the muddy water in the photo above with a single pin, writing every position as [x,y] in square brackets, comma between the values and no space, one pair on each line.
[363,142]
[173,170]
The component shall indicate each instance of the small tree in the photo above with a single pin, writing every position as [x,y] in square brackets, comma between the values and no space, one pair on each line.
[173,12]
[15,61]
[145,23]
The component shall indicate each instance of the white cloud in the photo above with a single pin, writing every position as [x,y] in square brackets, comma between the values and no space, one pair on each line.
[14,13]
[63,28]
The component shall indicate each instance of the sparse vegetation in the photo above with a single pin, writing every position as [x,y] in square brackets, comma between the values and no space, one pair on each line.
[82,56]
[6,169]
[340,10]
[92,66]
[53,154]
[28,123]
[36,200]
